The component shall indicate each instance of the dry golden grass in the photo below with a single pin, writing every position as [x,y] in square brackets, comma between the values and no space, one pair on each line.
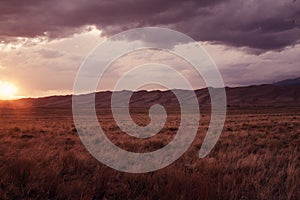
[256,157]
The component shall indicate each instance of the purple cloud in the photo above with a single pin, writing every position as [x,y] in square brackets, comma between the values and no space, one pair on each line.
[264,25]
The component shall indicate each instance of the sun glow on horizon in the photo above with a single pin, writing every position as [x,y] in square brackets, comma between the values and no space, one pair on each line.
[7,91]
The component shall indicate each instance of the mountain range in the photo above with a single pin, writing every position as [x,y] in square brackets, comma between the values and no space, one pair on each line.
[283,93]
[289,82]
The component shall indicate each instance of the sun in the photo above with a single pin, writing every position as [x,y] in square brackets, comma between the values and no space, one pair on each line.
[7,90]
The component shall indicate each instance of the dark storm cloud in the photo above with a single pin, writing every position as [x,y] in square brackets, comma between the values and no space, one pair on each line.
[264,24]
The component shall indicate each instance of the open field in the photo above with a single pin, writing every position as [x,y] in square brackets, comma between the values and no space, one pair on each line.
[256,157]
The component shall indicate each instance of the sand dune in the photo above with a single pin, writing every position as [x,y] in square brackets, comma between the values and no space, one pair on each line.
[259,95]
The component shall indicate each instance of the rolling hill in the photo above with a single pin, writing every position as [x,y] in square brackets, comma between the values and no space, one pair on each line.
[257,95]
[288,82]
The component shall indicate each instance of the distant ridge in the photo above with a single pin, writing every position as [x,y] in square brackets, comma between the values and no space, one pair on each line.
[288,82]
[257,95]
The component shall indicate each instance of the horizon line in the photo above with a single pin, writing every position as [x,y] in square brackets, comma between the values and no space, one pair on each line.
[124,90]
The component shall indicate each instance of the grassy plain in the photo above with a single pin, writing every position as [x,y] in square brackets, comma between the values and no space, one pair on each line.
[256,157]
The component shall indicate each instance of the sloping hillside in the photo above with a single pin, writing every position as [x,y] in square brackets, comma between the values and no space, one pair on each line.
[261,95]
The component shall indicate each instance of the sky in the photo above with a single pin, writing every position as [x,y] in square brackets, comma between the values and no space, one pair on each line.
[43,43]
